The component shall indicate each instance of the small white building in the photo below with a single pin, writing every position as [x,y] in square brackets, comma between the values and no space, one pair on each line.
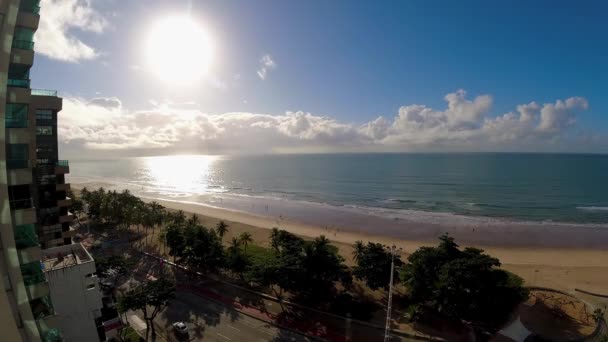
[75,292]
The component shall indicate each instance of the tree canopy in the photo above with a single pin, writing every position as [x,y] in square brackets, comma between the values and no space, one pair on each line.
[374,264]
[462,285]
[149,297]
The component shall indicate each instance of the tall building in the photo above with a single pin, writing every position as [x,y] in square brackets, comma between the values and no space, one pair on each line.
[34,212]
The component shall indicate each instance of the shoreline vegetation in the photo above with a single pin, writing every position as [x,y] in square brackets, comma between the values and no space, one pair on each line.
[289,263]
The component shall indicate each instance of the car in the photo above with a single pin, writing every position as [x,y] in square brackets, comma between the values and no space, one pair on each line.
[180,328]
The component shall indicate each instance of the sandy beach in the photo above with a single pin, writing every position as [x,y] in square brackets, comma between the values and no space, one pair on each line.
[563,268]
[553,257]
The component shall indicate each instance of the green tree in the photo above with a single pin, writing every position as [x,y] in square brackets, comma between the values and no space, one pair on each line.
[221,229]
[358,248]
[77,206]
[374,265]
[150,298]
[274,238]
[245,239]
[203,248]
[462,285]
[113,267]
[175,240]
[193,220]
[598,315]
[236,260]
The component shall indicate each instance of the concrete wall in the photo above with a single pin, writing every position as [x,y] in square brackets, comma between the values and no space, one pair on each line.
[75,304]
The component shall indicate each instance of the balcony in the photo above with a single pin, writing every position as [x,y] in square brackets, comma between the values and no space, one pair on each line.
[29,19]
[33,9]
[44,92]
[24,216]
[62,187]
[14,164]
[36,291]
[69,233]
[67,202]
[69,217]
[42,307]
[19,177]
[24,203]
[62,167]
[18,83]
[32,273]
[23,45]
[47,333]
[25,236]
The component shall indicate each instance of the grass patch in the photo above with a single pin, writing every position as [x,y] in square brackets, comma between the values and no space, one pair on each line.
[130,335]
[259,254]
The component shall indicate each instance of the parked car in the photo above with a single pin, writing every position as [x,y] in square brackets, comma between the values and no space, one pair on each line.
[180,328]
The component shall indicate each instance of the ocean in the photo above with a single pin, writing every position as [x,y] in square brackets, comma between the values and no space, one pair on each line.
[476,187]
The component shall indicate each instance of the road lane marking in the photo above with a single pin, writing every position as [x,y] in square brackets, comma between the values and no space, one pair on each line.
[224,336]
[231,327]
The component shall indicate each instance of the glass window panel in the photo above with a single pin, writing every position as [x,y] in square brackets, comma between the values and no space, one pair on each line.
[16,115]
[44,130]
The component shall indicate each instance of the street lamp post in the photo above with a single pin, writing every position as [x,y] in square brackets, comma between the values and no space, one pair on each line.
[387,328]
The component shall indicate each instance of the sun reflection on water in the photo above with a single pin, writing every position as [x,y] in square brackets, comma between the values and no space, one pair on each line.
[180,175]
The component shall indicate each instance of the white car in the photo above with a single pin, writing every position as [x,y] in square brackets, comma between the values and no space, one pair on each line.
[180,327]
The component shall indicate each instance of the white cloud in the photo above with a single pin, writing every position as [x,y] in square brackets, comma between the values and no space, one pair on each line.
[103,124]
[266,65]
[55,37]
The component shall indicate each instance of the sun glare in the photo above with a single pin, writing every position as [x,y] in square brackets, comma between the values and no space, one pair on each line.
[178,50]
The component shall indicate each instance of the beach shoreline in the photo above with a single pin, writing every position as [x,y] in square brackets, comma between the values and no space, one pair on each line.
[564,267]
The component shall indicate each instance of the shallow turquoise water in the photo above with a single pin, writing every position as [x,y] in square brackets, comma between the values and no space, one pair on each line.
[529,187]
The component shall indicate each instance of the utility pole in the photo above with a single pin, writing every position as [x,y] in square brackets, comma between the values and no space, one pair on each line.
[387,328]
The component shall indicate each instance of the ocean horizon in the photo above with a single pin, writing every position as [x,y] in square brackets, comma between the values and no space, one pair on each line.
[478,187]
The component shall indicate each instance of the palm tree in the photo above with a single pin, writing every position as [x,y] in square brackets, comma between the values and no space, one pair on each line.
[179,217]
[193,220]
[359,248]
[245,238]
[274,238]
[221,229]
[235,244]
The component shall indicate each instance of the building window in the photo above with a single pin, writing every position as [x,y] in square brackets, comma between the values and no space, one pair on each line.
[16,115]
[19,196]
[17,156]
[44,114]
[44,130]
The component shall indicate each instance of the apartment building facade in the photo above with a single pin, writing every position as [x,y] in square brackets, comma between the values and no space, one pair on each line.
[34,212]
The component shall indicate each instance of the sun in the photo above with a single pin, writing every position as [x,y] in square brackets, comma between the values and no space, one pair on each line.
[178,50]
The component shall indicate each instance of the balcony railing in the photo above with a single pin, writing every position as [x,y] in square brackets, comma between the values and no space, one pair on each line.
[31,9]
[42,307]
[62,163]
[32,273]
[15,120]
[44,92]
[18,83]
[13,164]
[23,44]
[25,236]
[25,203]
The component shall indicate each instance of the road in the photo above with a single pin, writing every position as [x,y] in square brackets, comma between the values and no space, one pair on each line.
[210,321]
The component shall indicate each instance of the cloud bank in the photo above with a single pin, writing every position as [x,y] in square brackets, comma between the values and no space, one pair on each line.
[103,126]
[58,19]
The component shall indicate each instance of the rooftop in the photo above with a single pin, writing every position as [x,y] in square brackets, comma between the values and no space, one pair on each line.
[65,256]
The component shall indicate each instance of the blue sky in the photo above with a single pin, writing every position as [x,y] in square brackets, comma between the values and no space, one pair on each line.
[347,62]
